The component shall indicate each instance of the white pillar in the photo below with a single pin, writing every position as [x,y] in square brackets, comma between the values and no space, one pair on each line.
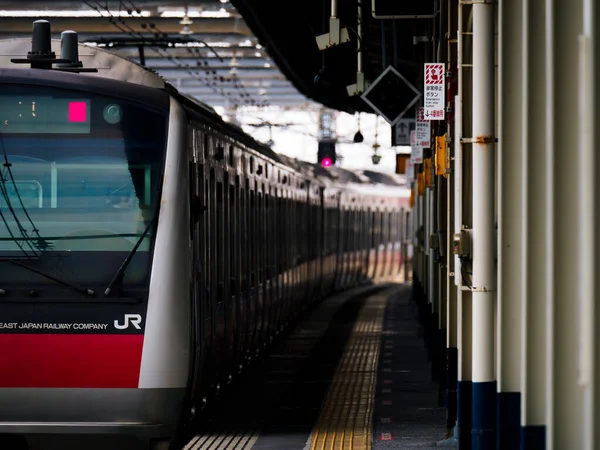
[511,218]
[564,21]
[535,235]
[483,248]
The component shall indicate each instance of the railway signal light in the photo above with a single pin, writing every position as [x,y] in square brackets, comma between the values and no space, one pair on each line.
[326,153]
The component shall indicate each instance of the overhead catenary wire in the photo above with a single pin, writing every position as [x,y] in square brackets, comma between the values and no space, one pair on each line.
[122,26]
[243,95]
[34,229]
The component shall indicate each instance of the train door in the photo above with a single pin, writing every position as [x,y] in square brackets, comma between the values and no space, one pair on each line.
[266,244]
[278,255]
[219,276]
[287,265]
[253,265]
[374,244]
[235,276]
[366,240]
[197,230]
[244,310]
[230,264]
[248,264]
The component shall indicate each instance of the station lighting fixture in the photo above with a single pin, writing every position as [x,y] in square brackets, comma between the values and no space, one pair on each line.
[195,14]
[66,13]
[186,22]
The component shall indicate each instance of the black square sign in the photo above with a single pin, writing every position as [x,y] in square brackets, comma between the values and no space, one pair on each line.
[391,95]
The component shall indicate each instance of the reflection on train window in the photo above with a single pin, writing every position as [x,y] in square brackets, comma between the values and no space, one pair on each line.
[21,194]
[87,202]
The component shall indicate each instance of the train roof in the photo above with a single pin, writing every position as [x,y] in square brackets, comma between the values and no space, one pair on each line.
[113,69]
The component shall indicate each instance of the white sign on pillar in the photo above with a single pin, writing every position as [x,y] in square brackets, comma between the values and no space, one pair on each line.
[409,172]
[434,96]
[423,128]
[416,155]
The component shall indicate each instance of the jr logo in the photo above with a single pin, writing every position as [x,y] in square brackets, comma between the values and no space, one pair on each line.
[133,319]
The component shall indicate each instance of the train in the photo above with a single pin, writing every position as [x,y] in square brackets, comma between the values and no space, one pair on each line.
[151,251]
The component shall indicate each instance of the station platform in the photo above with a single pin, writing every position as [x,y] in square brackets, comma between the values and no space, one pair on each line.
[354,374]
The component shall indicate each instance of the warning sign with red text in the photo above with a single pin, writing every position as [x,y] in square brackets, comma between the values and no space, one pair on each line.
[434,97]
[423,128]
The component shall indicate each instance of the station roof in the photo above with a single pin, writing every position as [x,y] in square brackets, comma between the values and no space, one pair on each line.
[288,31]
[215,58]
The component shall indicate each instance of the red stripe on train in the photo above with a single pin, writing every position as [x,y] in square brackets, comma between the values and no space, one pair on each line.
[70,360]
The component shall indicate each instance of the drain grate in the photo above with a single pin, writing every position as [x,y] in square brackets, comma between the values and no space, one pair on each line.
[224,441]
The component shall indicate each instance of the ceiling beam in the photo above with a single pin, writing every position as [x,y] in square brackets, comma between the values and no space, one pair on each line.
[289,102]
[197,63]
[202,52]
[201,70]
[173,72]
[86,25]
[112,4]
[250,89]
[192,83]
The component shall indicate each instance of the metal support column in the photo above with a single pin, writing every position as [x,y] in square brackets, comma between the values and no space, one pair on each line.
[483,248]
[534,238]
[512,254]
[451,316]
[591,23]
[564,408]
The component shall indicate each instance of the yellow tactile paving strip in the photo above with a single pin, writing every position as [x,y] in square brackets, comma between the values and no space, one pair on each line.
[346,418]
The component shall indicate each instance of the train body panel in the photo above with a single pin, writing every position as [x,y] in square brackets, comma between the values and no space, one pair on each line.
[167,345]
[147,413]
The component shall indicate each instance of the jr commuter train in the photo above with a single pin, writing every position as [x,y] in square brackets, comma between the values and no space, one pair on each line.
[149,250]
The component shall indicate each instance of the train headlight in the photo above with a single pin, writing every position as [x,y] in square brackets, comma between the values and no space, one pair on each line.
[112,114]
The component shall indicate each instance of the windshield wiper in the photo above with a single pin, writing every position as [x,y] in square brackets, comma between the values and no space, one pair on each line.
[119,275]
[50,277]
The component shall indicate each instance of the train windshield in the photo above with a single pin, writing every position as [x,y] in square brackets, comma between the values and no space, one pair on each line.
[80,181]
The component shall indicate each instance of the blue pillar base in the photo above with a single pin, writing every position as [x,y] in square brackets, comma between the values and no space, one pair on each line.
[508,420]
[464,396]
[533,438]
[452,376]
[484,416]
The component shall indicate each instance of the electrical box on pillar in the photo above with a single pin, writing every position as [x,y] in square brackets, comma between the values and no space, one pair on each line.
[427,172]
[326,156]
[401,159]
[440,155]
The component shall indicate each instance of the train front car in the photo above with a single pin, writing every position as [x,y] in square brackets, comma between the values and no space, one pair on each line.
[88,261]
